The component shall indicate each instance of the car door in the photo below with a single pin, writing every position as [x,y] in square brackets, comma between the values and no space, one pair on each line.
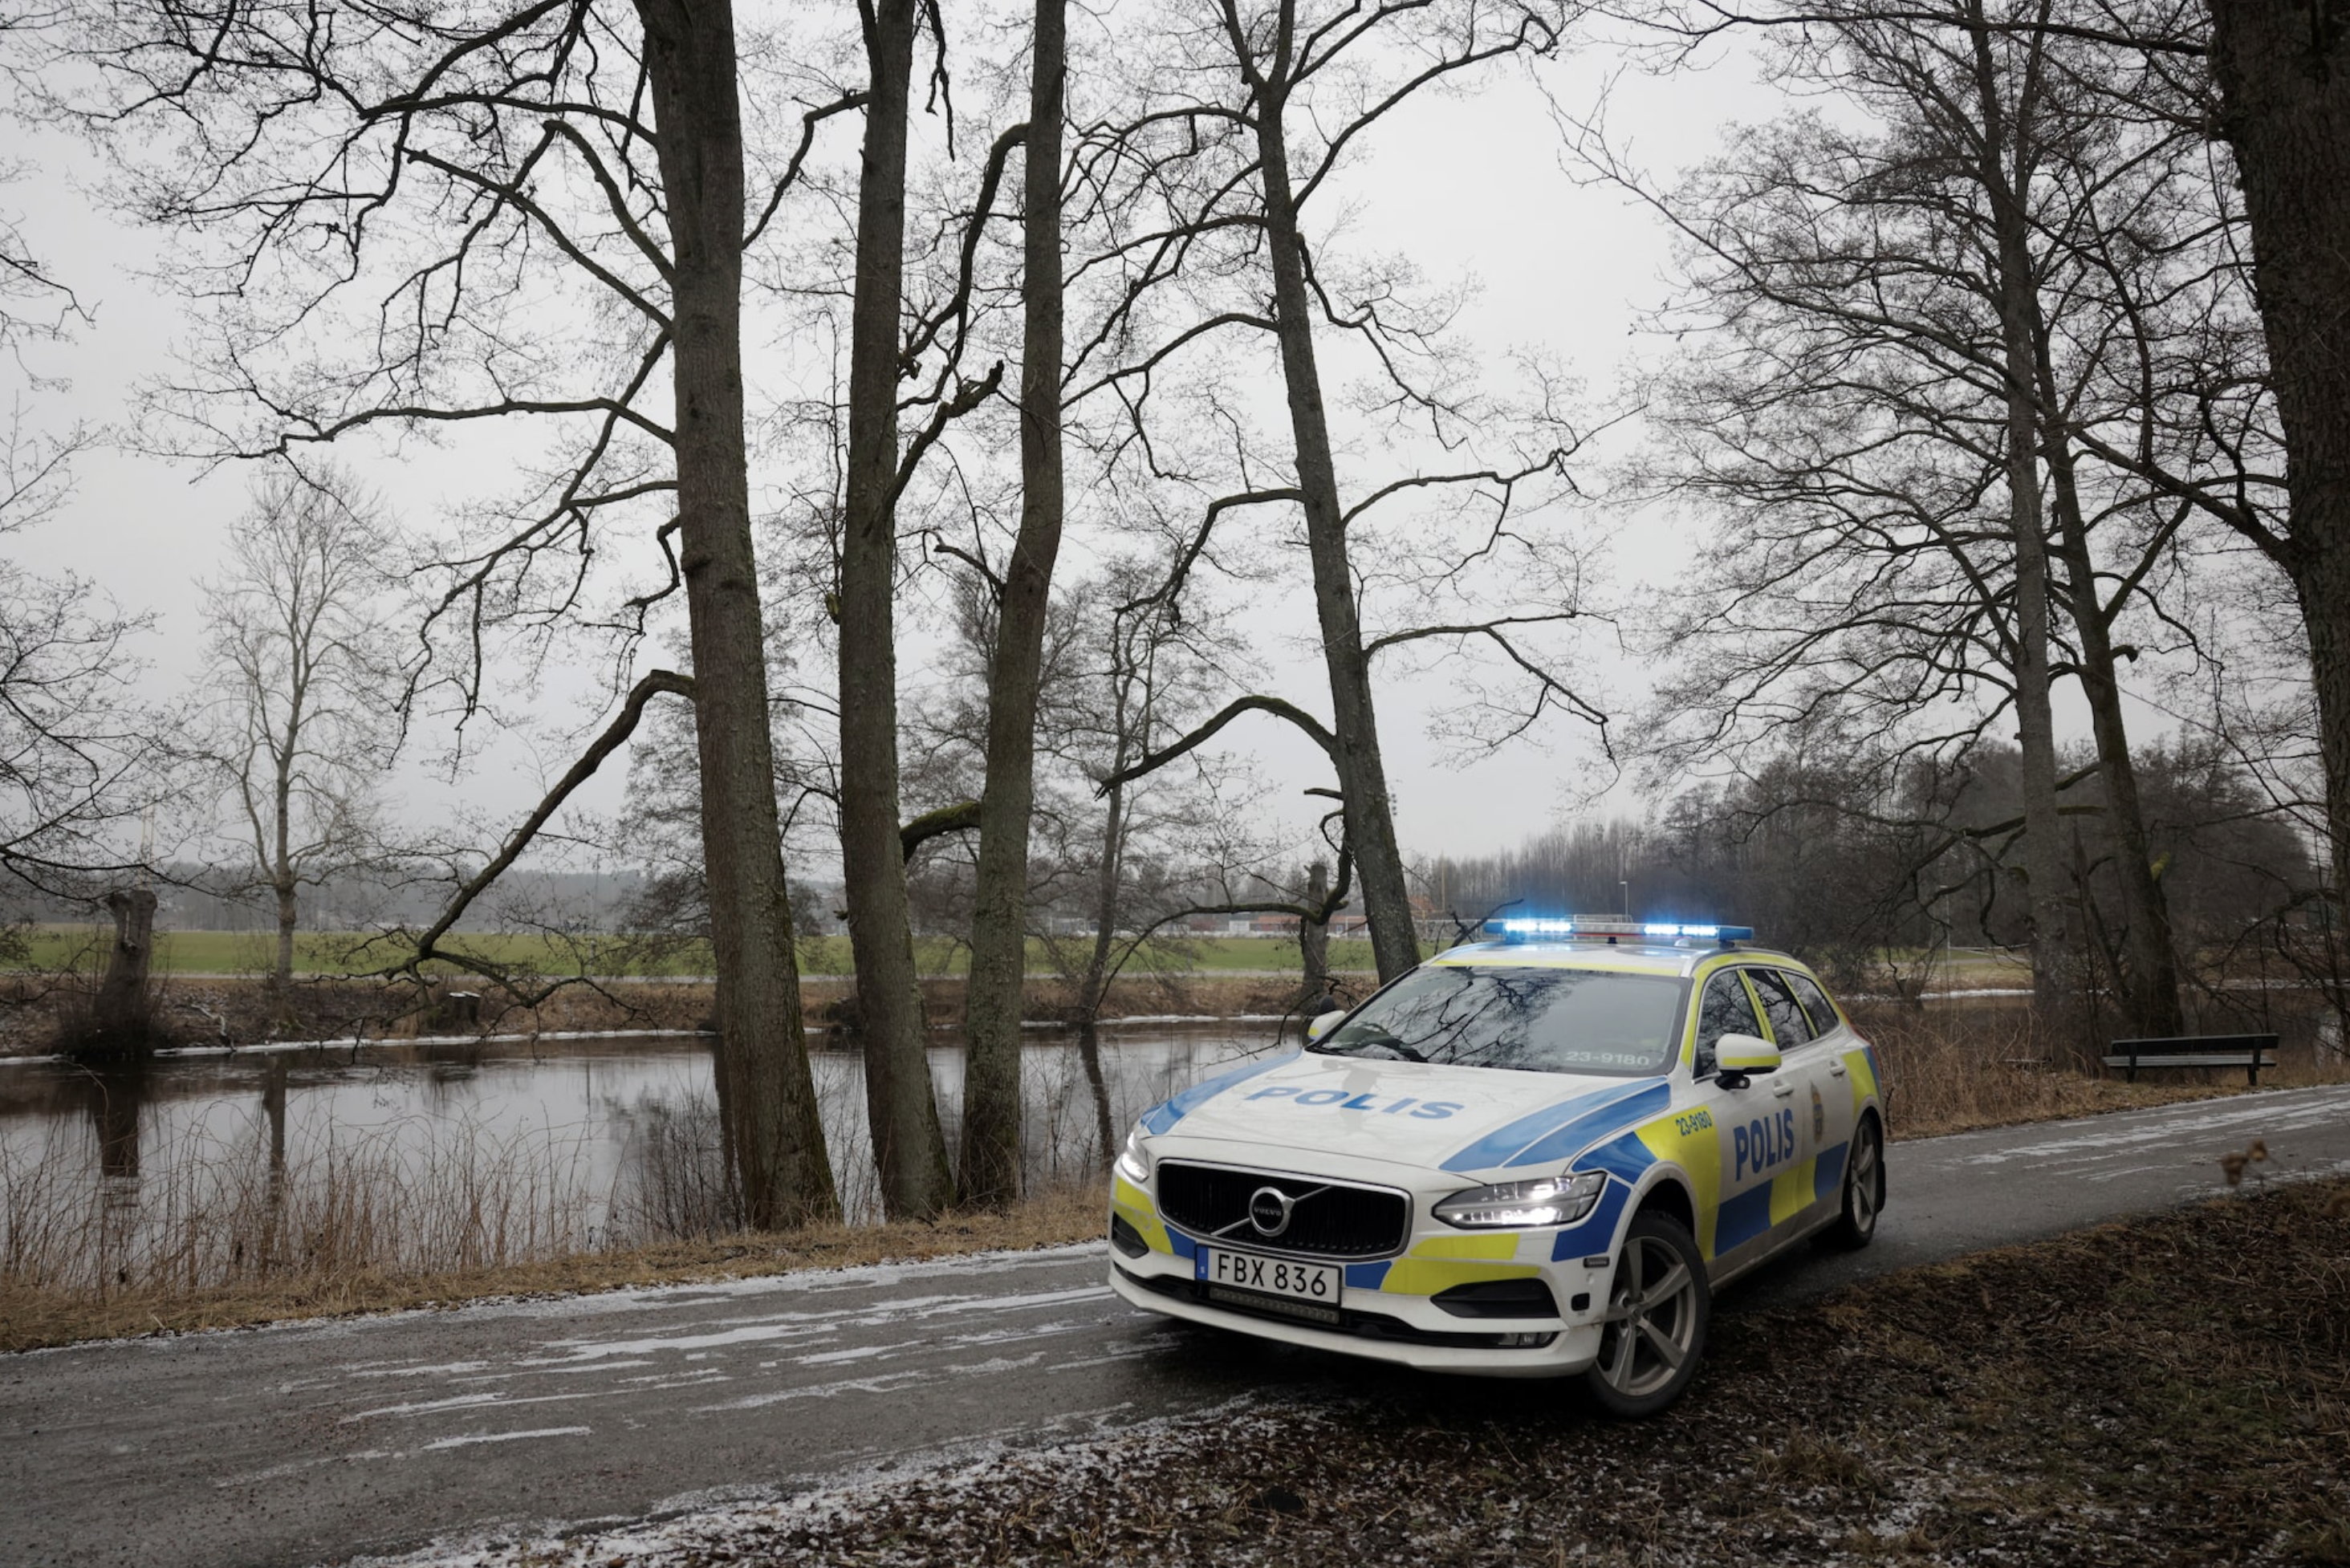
[1834,1079]
[1814,1082]
[1754,1128]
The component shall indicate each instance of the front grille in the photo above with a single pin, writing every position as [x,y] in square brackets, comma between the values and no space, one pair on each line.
[1279,1306]
[1327,1220]
[1348,1320]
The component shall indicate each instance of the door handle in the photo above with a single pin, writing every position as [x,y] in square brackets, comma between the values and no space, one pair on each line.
[1836,1069]
[1781,1091]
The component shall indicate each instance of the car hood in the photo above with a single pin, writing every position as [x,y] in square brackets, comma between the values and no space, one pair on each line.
[1460,1119]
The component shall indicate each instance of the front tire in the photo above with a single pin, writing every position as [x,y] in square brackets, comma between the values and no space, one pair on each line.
[1658,1307]
[1864,1188]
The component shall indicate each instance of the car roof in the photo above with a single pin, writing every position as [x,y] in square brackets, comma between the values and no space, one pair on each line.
[1620,958]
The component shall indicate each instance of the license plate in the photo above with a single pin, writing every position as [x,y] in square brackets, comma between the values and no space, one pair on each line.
[1317,1284]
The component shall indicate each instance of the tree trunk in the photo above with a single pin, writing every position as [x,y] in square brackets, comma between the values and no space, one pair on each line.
[999,925]
[1313,937]
[2150,979]
[122,1018]
[281,868]
[1104,1126]
[785,1174]
[2044,851]
[908,1150]
[1094,987]
[1354,720]
[2284,71]
[281,968]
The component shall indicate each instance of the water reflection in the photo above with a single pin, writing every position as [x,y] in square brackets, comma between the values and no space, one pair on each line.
[115,1095]
[273,1112]
[627,1129]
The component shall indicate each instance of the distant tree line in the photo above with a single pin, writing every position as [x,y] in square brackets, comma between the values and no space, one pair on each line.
[1871,872]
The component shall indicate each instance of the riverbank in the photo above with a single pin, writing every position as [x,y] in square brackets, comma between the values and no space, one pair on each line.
[238,1011]
[323,954]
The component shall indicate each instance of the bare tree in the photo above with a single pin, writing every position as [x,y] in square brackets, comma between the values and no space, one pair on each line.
[300,689]
[1160,844]
[908,1148]
[1907,327]
[1241,117]
[74,742]
[378,214]
[2284,73]
[991,1126]
[1277,55]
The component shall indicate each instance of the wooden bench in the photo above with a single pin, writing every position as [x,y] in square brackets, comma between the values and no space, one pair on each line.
[2250,1051]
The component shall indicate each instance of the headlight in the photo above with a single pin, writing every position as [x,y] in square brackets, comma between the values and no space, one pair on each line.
[1553,1200]
[1133,1160]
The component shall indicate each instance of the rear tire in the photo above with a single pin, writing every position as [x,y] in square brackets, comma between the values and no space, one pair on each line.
[1864,1188]
[1658,1307]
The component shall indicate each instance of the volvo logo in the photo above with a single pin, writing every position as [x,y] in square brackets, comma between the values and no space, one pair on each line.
[1268,1210]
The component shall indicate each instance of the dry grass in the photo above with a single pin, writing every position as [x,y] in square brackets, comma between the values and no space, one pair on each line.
[33,1316]
[184,1228]
[195,1212]
[1955,1068]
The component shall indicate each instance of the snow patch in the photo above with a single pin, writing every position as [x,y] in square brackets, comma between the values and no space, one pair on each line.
[470,1439]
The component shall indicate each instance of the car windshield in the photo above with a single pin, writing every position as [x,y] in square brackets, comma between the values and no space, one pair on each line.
[1531,1020]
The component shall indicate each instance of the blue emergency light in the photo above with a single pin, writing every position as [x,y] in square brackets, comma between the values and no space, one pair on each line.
[1596,928]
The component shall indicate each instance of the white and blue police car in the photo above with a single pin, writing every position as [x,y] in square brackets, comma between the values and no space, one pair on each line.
[1531,1155]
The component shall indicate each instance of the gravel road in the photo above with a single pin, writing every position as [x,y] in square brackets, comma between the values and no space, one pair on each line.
[315,1442]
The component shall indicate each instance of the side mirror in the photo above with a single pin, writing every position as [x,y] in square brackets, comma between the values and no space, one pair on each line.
[1323,1025]
[1738,1055]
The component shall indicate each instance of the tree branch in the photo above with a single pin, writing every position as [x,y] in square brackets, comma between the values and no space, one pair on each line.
[1205,732]
[616,734]
[961,817]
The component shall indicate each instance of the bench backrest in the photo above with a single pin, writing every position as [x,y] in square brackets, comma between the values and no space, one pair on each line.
[2250,1047]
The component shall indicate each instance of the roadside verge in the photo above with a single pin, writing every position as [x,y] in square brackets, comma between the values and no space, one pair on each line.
[2172,1389]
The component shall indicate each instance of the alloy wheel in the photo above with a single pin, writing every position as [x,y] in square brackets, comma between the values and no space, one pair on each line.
[1652,1318]
[1868,1184]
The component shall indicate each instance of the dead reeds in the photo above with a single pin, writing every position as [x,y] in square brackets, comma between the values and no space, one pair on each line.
[1952,1067]
[203,1213]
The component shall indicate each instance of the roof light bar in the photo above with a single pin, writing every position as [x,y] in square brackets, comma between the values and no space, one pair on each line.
[1554,928]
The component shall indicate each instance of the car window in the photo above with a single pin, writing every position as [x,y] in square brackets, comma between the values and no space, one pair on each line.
[1789,1027]
[1531,1020]
[1725,1011]
[1824,1017]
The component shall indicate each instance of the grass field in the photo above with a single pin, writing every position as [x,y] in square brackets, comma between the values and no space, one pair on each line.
[318,953]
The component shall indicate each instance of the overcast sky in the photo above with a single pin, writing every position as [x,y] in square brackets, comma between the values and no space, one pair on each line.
[1469,186]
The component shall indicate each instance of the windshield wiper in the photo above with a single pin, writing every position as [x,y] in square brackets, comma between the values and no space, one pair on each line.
[1382,1042]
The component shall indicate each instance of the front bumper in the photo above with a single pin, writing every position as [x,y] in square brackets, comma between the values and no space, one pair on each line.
[1388,1308]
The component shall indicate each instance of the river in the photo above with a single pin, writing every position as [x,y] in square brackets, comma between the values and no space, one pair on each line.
[542,1146]
[212,1166]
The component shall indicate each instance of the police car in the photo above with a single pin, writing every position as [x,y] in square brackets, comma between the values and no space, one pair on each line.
[1532,1156]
